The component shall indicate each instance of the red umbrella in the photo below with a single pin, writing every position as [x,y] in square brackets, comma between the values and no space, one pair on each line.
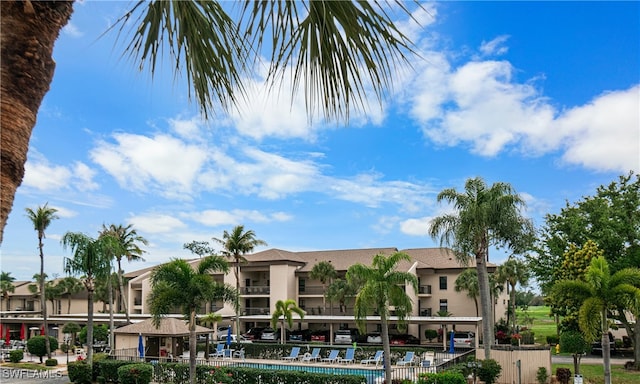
[23,332]
[7,338]
[42,331]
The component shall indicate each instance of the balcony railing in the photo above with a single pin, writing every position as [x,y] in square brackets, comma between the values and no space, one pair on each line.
[255,311]
[424,289]
[137,301]
[255,290]
[312,290]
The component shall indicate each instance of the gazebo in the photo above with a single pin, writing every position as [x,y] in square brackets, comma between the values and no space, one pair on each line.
[166,340]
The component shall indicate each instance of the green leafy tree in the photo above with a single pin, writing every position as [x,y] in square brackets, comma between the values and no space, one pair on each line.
[211,320]
[71,329]
[70,286]
[100,333]
[200,248]
[6,286]
[309,39]
[484,216]
[381,286]
[236,244]
[284,311]
[489,371]
[38,346]
[128,248]
[468,281]
[574,343]
[341,290]
[90,261]
[324,272]
[178,284]
[41,218]
[513,272]
[601,292]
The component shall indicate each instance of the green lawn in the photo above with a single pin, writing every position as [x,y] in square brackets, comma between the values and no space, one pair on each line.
[594,373]
[543,324]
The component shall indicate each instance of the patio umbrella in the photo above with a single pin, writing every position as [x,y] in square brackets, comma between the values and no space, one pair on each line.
[23,332]
[7,338]
[229,337]
[1,330]
[140,345]
[451,343]
[42,331]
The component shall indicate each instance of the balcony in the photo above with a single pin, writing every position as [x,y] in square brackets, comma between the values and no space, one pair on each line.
[311,291]
[255,290]
[255,311]
[137,301]
[424,290]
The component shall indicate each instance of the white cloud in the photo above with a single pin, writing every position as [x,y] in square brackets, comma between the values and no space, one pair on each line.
[215,218]
[416,227]
[64,213]
[187,128]
[162,163]
[495,46]
[156,223]
[72,30]
[39,174]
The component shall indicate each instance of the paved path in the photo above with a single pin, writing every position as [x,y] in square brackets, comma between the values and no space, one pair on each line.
[596,360]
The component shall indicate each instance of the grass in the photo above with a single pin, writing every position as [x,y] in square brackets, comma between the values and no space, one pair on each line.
[30,366]
[543,325]
[594,373]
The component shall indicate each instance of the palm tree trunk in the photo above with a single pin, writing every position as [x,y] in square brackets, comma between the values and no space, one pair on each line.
[606,348]
[386,360]
[69,303]
[192,346]
[43,299]
[237,272]
[29,31]
[485,303]
[111,323]
[122,296]
[90,322]
[512,297]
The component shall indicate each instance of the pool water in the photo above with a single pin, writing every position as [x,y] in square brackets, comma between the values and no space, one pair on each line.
[370,374]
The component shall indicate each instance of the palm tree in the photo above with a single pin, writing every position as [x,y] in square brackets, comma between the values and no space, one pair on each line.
[381,286]
[90,261]
[72,329]
[484,216]
[6,286]
[600,292]
[285,310]
[513,272]
[468,281]
[128,239]
[235,245]
[176,283]
[309,39]
[340,290]
[41,218]
[70,286]
[211,320]
[325,272]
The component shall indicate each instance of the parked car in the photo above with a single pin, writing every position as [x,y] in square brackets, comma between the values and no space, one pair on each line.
[346,336]
[464,340]
[596,346]
[223,331]
[237,339]
[402,339]
[300,335]
[374,338]
[254,333]
[320,335]
[270,334]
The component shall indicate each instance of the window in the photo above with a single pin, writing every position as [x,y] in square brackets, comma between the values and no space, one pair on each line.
[443,283]
[444,305]
[301,285]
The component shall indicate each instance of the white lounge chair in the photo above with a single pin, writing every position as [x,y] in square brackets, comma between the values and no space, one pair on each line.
[295,351]
[376,359]
[407,359]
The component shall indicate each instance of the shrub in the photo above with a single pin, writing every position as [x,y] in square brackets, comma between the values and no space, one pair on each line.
[489,371]
[542,375]
[138,373]
[51,362]
[528,337]
[430,334]
[16,355]
[64,348]
[36,345]
[441,378]
[553,339]
[109,369]
[79,372]
[563,375]
[96,367]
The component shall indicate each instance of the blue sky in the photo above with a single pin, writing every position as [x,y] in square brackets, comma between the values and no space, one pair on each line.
[542,95]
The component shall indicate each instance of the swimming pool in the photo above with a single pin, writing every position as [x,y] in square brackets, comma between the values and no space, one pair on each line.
[370,374]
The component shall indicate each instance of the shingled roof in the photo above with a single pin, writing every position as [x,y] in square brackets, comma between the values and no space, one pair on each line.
[169,326]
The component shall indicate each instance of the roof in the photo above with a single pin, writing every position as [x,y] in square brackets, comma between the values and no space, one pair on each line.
[169,326]
[342,259]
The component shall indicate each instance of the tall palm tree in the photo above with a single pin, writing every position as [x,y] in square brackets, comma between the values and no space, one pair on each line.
[129,248]
[513,272]
[235,245]
[284,311]
[484,216]
[91,261]
[325,272]
[600,292]
[309,39]
[341,290]
[52,291]
[70,286]
[381,286]
[6,286]
[176,283]
[468,281]
[211,320]
[41,218]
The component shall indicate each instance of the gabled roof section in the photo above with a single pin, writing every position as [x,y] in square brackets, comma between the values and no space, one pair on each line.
[274,254]
[169,326]
[342,259]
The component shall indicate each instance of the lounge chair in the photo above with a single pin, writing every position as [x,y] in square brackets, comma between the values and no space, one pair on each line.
[376,359]
[219,352]
[333,356]
[295,351]
[349,356]
[200,355]
[313,356]
[407,359]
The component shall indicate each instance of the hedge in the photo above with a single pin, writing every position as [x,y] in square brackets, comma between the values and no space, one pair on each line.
[442,378]
[139,373]
[79,372]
